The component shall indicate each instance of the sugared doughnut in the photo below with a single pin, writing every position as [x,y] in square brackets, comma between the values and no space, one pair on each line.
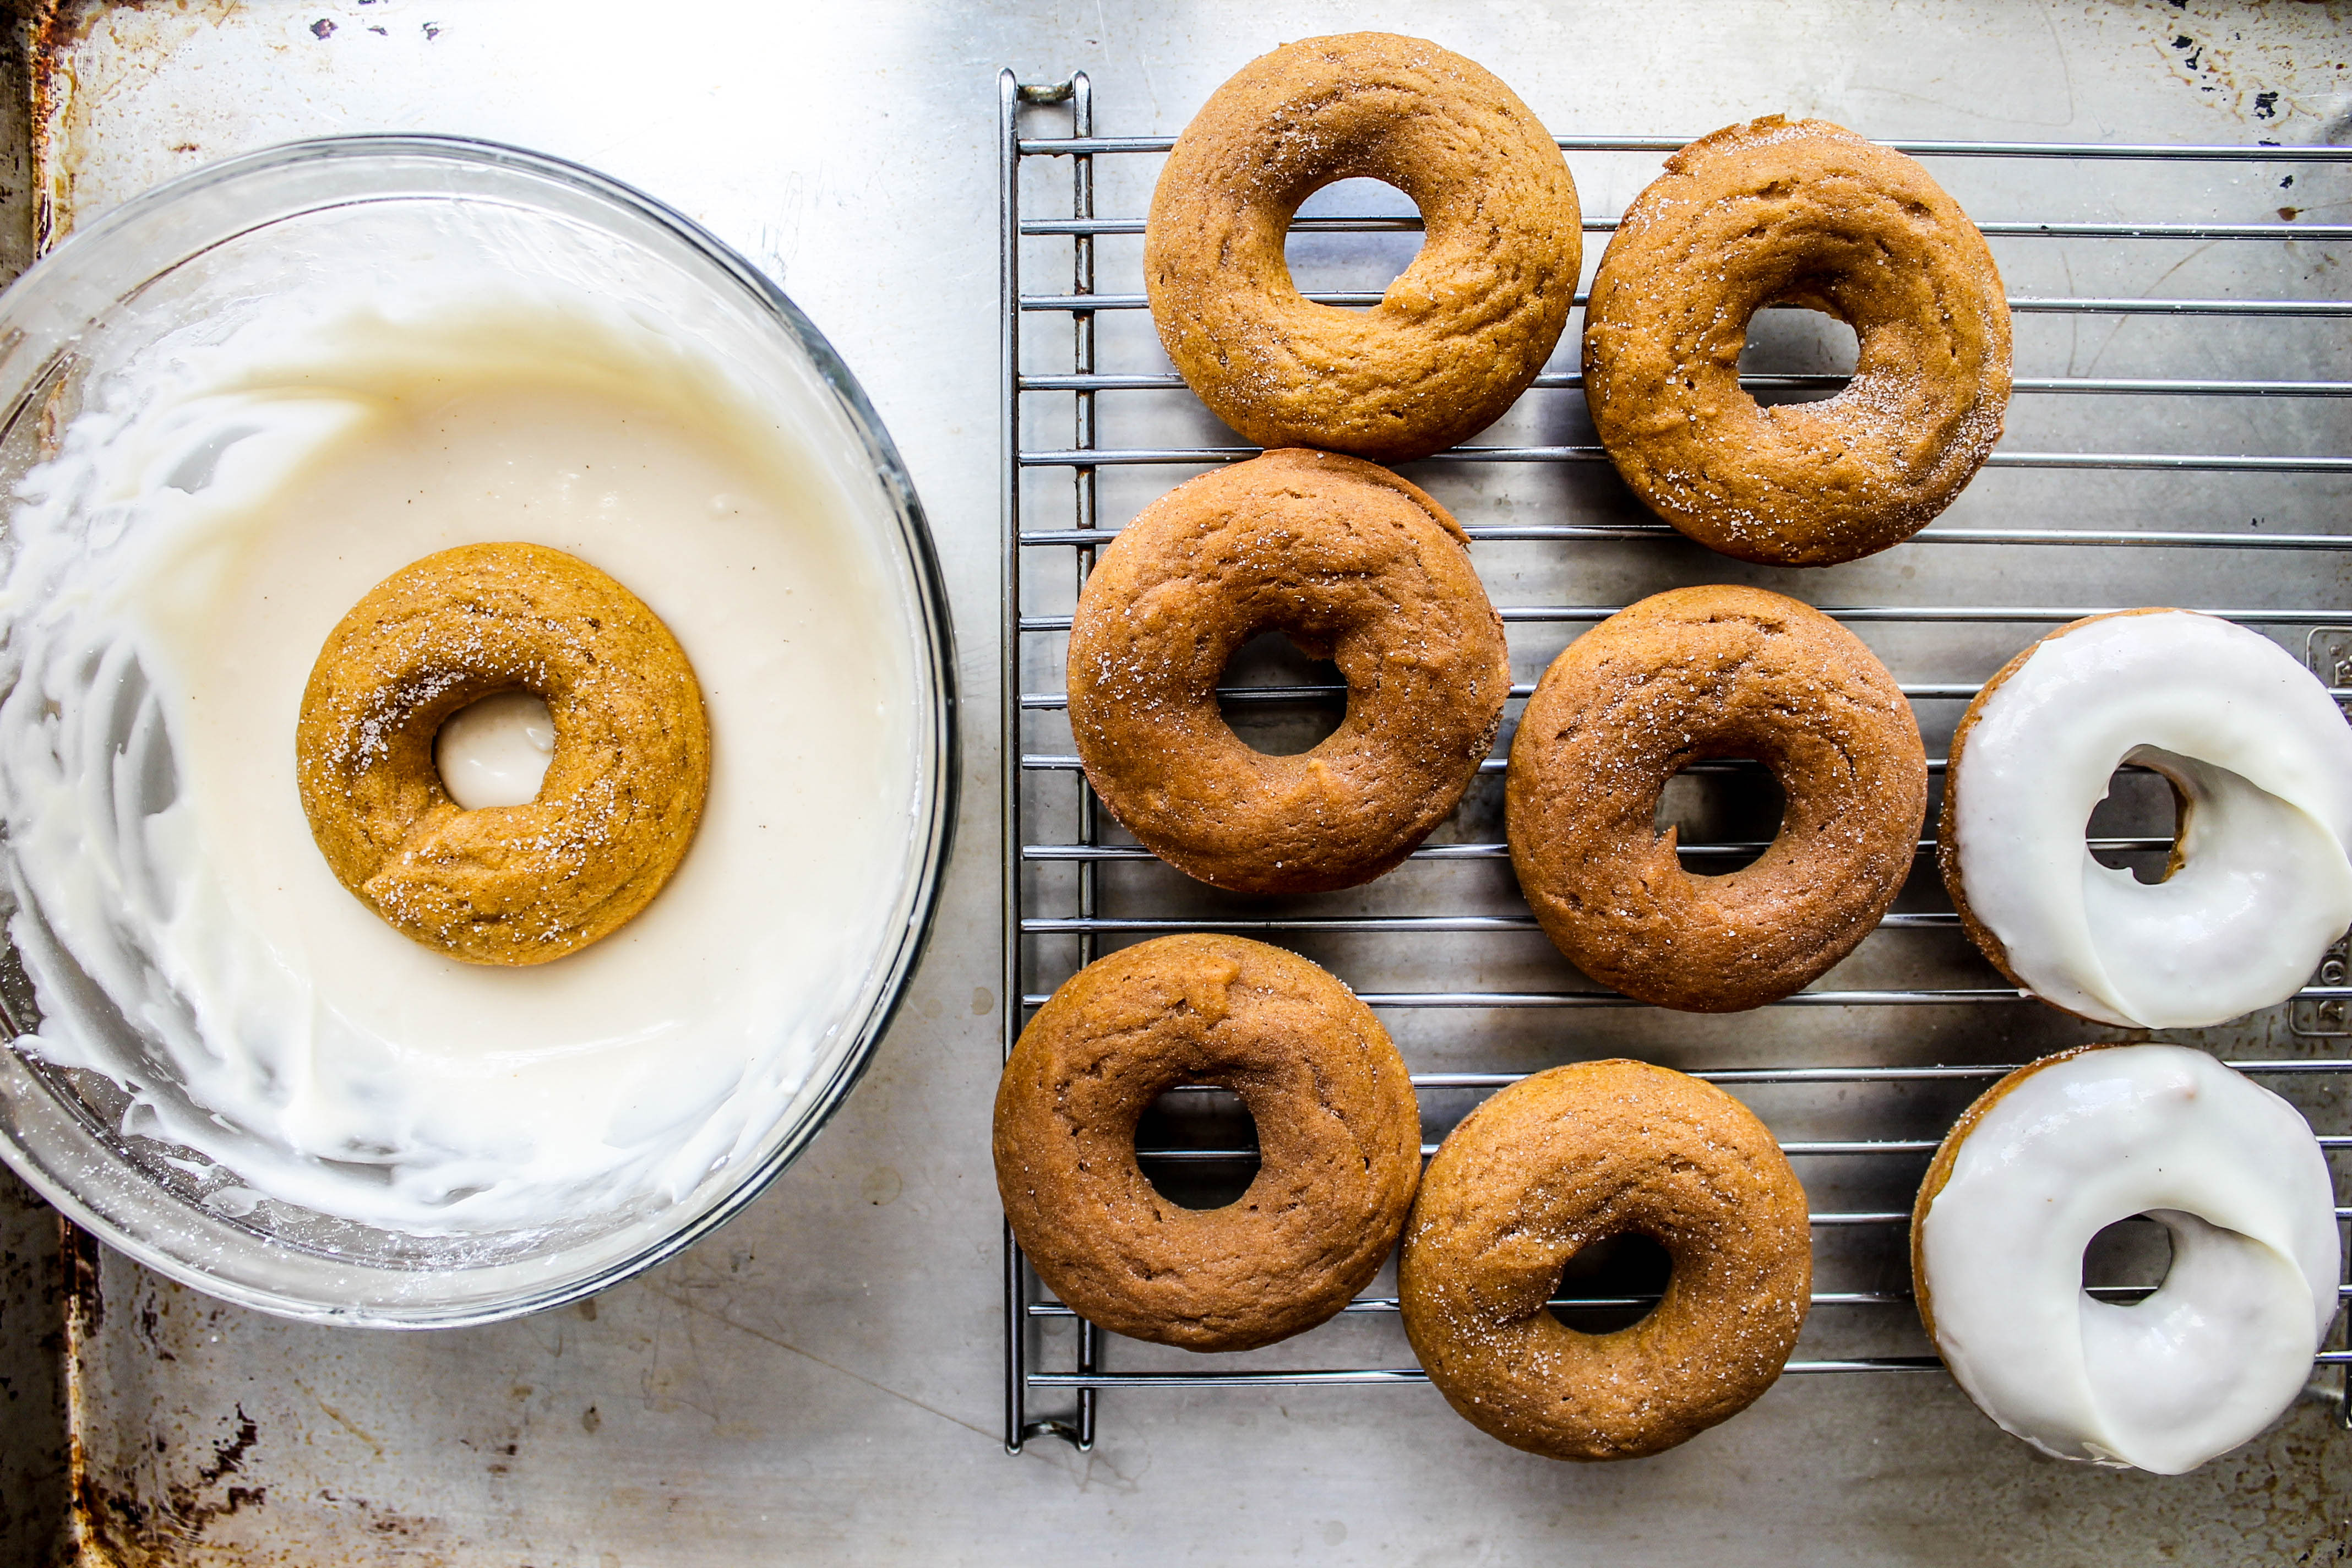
[1338,1127]
[1798,213]
[1574,1156]
[2260,759]
[2055,1153]
[1355,565]
[511,884]
[1457,336]
[1679,677]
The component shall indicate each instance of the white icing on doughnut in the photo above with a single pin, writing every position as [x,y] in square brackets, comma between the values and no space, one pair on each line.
[2225,1343]
[2263,758]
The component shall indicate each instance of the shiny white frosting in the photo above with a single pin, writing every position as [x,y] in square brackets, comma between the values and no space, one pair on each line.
[2264,759]
[2222,1347]
[171,577]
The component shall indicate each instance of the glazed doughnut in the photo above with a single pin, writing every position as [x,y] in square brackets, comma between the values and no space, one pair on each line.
[1457,337]
[2260,760]
[1355,565]
[1339,1133]
[1570,1157]
[1679,677]
[1802,213]
[517,884]
[2055,1153]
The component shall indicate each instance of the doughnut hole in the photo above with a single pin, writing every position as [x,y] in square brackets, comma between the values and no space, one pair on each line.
[1795,341]
[1325,262]
[1726,814]
[1279,699]
[2128,1261]
[1612,1284]
[2135,827]
[495,752]
[1197,1146]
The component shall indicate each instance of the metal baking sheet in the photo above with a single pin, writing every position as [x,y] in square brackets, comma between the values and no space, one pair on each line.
[823,1381]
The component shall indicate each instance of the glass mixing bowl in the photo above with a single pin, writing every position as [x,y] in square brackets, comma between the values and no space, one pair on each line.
[249,236]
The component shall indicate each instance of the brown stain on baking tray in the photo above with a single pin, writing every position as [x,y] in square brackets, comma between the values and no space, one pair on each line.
[110,1525]
[52,30]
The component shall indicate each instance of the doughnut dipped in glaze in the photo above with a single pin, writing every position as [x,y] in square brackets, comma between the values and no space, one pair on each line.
[623,790]
[2058,1151]
[1354,565]
[2260,761]
[1679,677]
[1796,213]
[1457,337]
[1577,1155]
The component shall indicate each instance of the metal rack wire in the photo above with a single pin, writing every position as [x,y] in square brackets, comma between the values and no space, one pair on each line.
[1077,922]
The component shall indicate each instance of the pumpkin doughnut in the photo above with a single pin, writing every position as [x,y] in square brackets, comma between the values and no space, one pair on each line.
[1338,1127]
[2058,1151]
[2260,761]
[1802,213]
[1355,565]
[1677,679]
[1567,1158]
[1459,334]
[516,884]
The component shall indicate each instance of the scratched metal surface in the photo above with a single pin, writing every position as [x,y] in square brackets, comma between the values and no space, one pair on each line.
[820,1381]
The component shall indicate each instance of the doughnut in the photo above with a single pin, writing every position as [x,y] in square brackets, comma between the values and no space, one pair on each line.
[1355,565]
[1339,1134]
[516,884]
[1574,1156]
[1679,677]
[2058,1151]
[1459,334]
[1809,213]
[2260,760]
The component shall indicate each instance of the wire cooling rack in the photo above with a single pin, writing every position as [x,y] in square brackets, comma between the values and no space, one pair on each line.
[1095,425]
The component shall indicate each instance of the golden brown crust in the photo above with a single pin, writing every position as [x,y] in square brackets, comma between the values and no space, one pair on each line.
[1679,677]
[1457,336]
[1948,1152]
[1801,213]
[1570,1157]
[1338,1133]
[1351,562]
[1947,828]
[505,885]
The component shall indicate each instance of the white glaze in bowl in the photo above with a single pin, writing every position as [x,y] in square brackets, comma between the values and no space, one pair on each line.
[332,359]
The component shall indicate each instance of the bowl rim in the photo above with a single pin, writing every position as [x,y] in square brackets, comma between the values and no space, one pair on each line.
[938,742]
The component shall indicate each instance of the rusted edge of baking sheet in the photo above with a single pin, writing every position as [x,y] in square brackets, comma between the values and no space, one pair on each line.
[39,1262]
